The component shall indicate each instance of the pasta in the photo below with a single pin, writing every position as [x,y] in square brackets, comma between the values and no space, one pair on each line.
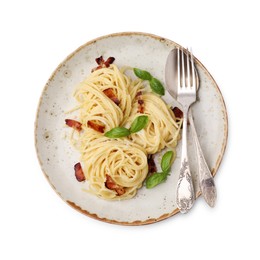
[162,130]
[94,104]
[123,161]
[115,168]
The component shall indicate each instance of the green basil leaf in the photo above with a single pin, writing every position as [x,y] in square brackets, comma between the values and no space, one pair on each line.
[155,179]
[117,132]
[167,160]
[157,86]
[139,123]
[142,74]
[160,177]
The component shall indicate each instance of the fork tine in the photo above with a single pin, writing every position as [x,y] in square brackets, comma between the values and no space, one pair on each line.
[194,82]
[178,68]
[183,69]
[188,69]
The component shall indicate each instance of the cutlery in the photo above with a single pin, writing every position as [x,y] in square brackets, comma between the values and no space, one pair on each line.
[206,181]
[186,95]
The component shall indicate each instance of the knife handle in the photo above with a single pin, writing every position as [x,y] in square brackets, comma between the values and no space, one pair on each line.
[206,181]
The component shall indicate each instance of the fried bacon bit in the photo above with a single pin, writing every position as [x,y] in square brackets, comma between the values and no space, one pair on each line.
[151,165]
[100,60]
[109,61]
[177,112]
[111,94]
[79,172]
[102,63]
[140,108]
[95,126]
[74,124]
[111,185]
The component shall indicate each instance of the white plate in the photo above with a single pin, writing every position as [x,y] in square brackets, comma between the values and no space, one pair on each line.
[57,157]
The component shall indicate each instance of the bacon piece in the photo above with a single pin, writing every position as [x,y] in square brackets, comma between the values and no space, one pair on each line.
[139,93]
[95,126]
[151,164]
[177,112]
[74,124]
[102,63]
[109,61]
[100,60]
[140,102]
[111,185]
[111,94]
[79,172]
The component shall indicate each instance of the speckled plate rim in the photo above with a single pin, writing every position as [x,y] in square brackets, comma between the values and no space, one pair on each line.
[95,216]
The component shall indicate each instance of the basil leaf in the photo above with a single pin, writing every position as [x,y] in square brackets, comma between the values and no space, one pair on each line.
[117,132]
[139,123]
[142,74]
[157,86]
[155,179]
[160,177]
[167,160]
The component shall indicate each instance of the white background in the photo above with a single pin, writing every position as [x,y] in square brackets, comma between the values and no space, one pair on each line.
[35,37]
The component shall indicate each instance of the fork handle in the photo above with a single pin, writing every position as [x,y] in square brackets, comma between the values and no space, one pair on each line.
[206,181]
[185,196]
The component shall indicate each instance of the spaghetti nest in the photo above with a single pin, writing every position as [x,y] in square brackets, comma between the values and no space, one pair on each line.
[95,105]
[162,130]
[116,168]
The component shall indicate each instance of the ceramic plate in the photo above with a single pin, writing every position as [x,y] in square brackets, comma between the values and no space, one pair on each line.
[57,157]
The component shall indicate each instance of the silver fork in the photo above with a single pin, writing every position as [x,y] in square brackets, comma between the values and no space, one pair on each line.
[186,95]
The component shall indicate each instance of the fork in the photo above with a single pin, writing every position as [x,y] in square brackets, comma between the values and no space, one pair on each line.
[186,95]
